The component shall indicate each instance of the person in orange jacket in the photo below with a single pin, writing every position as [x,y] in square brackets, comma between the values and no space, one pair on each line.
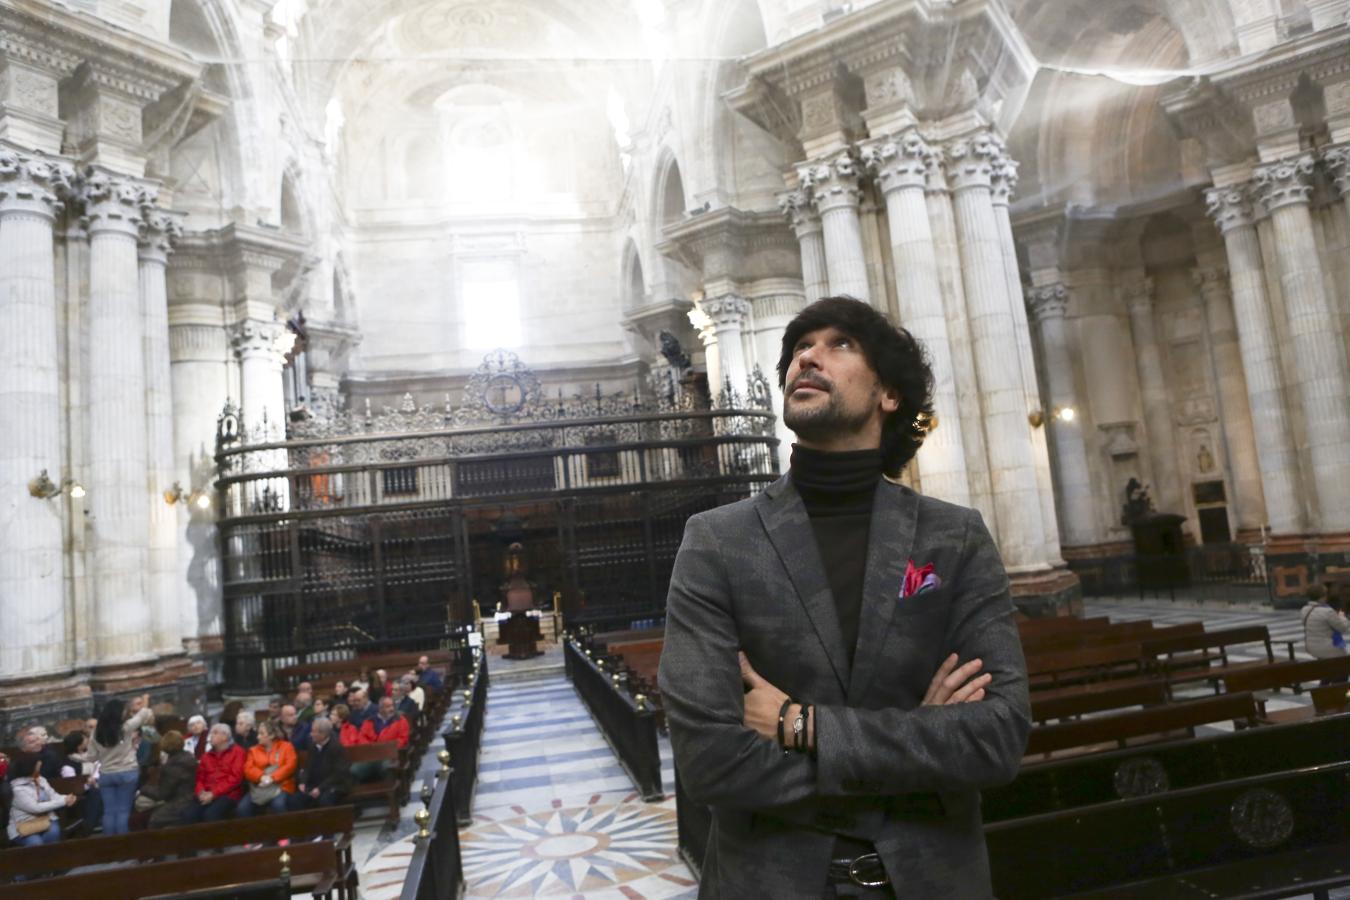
[386,725]
[348,734]
[269,771]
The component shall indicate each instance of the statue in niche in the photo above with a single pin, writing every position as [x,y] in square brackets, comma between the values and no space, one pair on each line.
[674,353]
[1138,504]
[1204,459]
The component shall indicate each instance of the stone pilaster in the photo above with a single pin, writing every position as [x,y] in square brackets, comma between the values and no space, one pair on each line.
[1162,440]
[900,166]
[947,252]
[158,232]
[29,106]
[1314,330]
[1074,487]
[1016,492]
[774,303]
[104,119]
[1248,501]
[833,186]
[32,572]
[118,505]
[805,222]
[1232,212]
[1002,186]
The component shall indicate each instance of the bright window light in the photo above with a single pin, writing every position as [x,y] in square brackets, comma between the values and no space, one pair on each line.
[490,300]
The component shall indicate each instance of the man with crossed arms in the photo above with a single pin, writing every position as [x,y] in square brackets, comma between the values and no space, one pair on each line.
[842,672]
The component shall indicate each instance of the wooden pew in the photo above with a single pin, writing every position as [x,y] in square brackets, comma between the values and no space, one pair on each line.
[1119,728]
[1333,698]
[1286,675]
[1093,699]
[1283,825]
[1094,664]
[286,679]
[312,868]
[1030,627]
[1157,768]
[1119,634]
[392,789]
[1189,657]
[336,822]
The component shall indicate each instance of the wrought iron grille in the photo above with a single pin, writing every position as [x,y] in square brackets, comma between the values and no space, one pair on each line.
[371,529]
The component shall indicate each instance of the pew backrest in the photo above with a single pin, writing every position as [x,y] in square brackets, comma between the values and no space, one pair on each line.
[1098,699]
[1117,728]
[1285,674]
[1331,698]
[1168,647]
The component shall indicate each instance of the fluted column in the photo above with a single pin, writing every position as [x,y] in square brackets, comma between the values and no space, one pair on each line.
[1244,471]
[261,347]
[1315,333]
[833,185]
[727,315]
[1074,487]
[1012,463]
[947,251]
[1162,441]
[158,231]
[900,165]
[33,638]
[1337,161]
[1232,212]
[805,222]
[712,362]
[774,306]
[118,463]
[1002,186]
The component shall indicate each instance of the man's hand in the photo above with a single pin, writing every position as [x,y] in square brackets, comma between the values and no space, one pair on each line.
[957,685]
[762,702]
[205,797]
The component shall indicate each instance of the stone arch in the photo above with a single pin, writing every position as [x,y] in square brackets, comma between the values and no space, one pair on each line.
[632,281]
[669,200]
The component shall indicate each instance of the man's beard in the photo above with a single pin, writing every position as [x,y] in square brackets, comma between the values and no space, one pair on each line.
[819,423]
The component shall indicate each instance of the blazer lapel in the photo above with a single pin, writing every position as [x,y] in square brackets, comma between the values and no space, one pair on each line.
[789,528]
[889,542]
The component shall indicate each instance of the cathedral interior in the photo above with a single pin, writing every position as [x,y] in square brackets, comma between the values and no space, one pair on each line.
[318,320]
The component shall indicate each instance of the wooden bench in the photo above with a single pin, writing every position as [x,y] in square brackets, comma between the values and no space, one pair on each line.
[1331,699]
[287,678]
[1157,768]
[1093,698]
[1165,845]
[1120,634]
[312,870]
[185,840]
[1189,657]
[1093,664]
[1117,729]
[1286,675]
[391,789]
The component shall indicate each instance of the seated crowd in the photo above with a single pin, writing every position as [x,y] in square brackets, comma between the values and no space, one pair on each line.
[124,774]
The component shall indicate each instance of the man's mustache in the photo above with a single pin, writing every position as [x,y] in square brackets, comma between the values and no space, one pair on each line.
[814,381]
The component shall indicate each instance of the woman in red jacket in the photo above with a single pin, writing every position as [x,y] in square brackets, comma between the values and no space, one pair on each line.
[269,770]
[348,734]
[220,777]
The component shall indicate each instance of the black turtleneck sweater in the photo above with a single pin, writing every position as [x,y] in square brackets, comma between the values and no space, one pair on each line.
[838,490]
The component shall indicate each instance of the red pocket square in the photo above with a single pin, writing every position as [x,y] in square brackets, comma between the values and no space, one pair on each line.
[916,579]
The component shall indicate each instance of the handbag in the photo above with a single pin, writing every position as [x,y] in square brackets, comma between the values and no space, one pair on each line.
[263,794]
[35,825]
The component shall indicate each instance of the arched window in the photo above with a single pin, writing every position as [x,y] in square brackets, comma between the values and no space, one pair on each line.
[673,202]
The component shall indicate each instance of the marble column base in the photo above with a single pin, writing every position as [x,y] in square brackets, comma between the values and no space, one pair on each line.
[1047,594]
[1295,561]
[181,682]
[1103,568]
[49,701]
[44,700]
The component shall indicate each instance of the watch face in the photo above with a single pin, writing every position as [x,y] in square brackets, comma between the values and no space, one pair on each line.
[798,724]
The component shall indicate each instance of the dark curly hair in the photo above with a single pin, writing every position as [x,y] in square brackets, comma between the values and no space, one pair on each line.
[893,353]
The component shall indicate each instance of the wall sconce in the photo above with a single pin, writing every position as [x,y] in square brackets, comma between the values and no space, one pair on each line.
[1036,418]
[1061,413]
[197,499]
[44,488]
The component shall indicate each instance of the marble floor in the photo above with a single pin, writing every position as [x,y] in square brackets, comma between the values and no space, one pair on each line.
[555,815]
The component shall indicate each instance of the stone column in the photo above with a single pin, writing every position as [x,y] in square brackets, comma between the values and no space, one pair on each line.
[261,348]
[1017,504]
[712,361]
[900,165]
[947,252]
[805,222]
[1337,160]
[1162,440]
[1003,184]
[727,314]
[1314,330]
[833,185]
[32,573]
[1074,487]
[1248,502]
[118,464]
[1231,210]
[158,231]
[772,311]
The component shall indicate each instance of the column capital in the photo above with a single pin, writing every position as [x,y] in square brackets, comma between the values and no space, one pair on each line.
[898,162]
[160,230]
[1211,279]
[971,161]
[32,184]
[1230,207]
[1048,302]
[253,338]
[1004,182]
[1139,295]
[800,214]
[1285,182]
[1337,159]
[832,181]
[113,202]
[936,180]
[726,312]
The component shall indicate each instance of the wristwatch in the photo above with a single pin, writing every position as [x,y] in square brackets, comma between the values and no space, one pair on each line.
[799,729]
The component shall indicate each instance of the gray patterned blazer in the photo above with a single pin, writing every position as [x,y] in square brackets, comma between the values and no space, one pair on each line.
[906,777]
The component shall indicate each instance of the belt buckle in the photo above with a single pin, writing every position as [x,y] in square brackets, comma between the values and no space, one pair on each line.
[857,879]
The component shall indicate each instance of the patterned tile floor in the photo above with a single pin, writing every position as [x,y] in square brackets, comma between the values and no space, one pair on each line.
[556,816]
